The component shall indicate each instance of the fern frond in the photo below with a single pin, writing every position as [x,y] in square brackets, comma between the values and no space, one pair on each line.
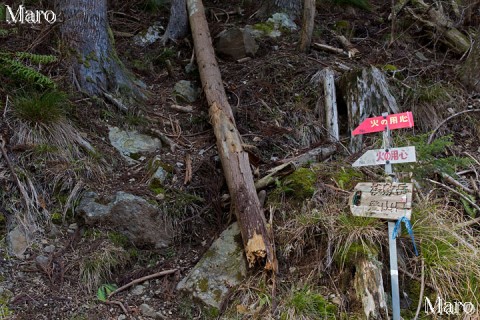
[18,71]
[36,58]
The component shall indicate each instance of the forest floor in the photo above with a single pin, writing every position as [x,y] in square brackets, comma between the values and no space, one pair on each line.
[275,100]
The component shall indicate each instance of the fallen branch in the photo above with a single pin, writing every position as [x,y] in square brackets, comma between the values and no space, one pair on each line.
[118,303]
[142,279]
[176,107]
[317,154]
[451,180]
[458,193]
[188,171]
[173,146]
[432,136]
[325,47]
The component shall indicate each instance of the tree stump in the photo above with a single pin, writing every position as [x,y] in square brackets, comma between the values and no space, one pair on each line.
[368,283]
[367,94]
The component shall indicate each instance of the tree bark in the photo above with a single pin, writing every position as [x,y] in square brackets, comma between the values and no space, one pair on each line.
[307,25]
[96,68]
[236,167]
[177,27]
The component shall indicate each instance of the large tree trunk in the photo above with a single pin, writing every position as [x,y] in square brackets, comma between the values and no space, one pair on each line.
[235,163]
[96,68]
[470,72]
[177,27]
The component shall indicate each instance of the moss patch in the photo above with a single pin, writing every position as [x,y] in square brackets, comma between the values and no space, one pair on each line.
[301,183]
[203,284]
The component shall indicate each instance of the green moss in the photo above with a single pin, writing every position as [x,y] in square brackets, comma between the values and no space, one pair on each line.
[203,284]
[356,251]
[57,218]
[265,27]
[300,184]
[218,294]
[210,253]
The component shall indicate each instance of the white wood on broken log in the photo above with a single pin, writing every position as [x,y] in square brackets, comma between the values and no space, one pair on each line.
[368,284]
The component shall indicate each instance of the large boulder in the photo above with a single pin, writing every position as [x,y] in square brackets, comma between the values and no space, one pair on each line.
[221,269]
[236,43]
[143,223]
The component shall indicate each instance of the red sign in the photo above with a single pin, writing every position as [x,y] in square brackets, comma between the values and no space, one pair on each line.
[392,121]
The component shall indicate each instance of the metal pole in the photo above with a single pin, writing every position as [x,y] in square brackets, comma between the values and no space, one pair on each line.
[392,243]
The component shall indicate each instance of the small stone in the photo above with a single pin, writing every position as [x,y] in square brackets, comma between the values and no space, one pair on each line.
[148,311]
[138,290]
[236,43]
[186,91]
[122,317]
[17,240]
[42,261]
[49,249]
[73,226]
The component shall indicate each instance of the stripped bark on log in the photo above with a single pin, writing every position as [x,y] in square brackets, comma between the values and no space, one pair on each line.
[236,167]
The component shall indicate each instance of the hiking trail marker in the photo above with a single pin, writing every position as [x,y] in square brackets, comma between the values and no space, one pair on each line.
[381,123]
[381,156]
[389,200]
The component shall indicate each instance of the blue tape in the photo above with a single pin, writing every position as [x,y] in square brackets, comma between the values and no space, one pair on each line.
[408,225]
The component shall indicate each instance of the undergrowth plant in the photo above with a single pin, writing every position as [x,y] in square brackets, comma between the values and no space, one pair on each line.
[98,267]
[450,252]
[40,107]
[431,158]
[24,67]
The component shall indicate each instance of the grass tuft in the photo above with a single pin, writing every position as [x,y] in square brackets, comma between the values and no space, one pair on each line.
[97,268]
[45,108]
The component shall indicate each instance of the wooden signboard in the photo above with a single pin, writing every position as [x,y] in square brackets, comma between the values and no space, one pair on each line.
[382,200]
[381,156]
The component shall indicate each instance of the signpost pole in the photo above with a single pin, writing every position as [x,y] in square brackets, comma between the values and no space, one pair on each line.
[392,243]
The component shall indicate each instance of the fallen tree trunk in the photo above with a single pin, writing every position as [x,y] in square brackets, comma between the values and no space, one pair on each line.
[236,167]
[440,25]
